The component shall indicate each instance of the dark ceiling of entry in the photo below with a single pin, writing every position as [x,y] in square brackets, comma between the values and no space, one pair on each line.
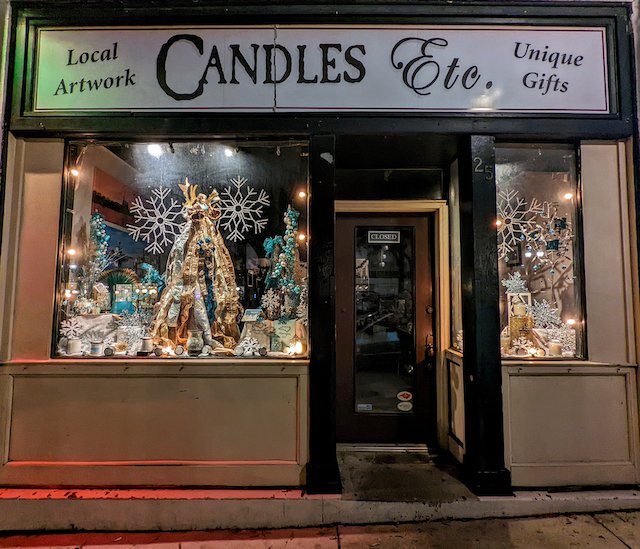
[393,166]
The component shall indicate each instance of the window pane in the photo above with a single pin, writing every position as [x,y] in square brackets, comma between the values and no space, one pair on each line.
[184,249]
[540,309]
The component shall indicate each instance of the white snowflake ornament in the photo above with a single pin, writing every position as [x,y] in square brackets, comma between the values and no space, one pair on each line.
[515,284]
[544,315]
[71,327]
[158,220]
[242,209]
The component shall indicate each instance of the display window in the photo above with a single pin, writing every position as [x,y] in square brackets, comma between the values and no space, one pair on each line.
[538,252]
[181,249]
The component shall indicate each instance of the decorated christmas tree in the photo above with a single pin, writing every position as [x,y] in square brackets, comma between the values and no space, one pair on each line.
[283,286]
[200,296]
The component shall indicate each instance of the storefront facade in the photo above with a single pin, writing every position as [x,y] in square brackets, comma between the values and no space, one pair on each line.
[235,237]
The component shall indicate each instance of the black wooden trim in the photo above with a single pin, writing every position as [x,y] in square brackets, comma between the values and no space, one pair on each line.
[190,126]
[484,457]
[615,17]
[322,469]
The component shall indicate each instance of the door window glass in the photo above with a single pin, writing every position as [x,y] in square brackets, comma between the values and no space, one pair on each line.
[385,353]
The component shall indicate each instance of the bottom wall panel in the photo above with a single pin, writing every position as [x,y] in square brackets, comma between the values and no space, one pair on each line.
[146,426]
[571,425]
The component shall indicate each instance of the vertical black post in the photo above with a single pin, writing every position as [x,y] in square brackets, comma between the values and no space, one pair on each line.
[484,445]
[322,470]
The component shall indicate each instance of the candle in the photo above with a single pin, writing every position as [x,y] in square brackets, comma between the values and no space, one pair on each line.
[505,343]
[520,309]
[74,346]
[96,348]
[555,348]
[147,345]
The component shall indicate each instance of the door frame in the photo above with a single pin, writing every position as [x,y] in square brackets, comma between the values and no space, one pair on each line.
[441,283]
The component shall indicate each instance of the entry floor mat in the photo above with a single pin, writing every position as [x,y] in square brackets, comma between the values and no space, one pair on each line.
[393,474]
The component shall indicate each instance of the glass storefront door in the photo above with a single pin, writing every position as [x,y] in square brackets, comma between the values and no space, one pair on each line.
[385,333]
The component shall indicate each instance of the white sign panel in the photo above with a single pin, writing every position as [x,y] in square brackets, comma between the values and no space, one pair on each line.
[251,69]
[383,237]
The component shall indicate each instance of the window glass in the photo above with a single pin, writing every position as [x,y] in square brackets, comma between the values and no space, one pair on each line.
[540,306]
[184,249]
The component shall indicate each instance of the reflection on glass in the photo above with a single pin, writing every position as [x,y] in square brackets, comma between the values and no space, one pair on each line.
[540,308]
[184,249]
[385,355]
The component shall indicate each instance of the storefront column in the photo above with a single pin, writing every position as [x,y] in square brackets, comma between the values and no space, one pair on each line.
[322,471]
[484,448]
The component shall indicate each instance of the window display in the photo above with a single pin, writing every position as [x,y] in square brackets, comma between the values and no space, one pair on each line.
[541,313]
[184,249]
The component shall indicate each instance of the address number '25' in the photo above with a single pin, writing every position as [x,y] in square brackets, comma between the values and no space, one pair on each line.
[479,166]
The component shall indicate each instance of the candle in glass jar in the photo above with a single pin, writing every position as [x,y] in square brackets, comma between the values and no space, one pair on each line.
[519,309]
[555,348]
[74,346]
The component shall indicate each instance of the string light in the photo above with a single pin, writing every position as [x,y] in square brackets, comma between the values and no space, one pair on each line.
[302,237]
[71,251]
[75,172]
[570,322]
[567,196]
[301,194]
[154,150]
[498,222]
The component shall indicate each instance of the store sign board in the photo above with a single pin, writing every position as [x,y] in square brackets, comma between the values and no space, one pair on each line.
[521,69]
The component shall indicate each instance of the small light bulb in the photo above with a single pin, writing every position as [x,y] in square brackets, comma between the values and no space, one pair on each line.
[73,266]
[228,152]
[67,293]
[302,237]
[533,351]
[540,253]
[302,194]
[75,292]
[498,222]
[571,321]
[154,150]
[528,254]
[567,196]
[75,172]
[71,251]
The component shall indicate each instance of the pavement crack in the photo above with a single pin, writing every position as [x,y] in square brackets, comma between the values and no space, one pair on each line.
[595,517]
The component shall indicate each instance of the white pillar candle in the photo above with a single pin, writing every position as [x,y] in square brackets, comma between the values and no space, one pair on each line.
[555,348]
[74,346]
[520,309]
[147,344]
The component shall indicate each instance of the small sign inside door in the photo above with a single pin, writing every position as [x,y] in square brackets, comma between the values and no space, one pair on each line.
[383,237]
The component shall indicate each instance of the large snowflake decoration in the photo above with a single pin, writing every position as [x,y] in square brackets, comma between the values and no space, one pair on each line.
[242,209]
[544,315]
[515,220]
[158,220]
[515,284]
[70,327]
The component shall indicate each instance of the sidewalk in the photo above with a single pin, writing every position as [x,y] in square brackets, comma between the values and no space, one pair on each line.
[608,530]
[137,510]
